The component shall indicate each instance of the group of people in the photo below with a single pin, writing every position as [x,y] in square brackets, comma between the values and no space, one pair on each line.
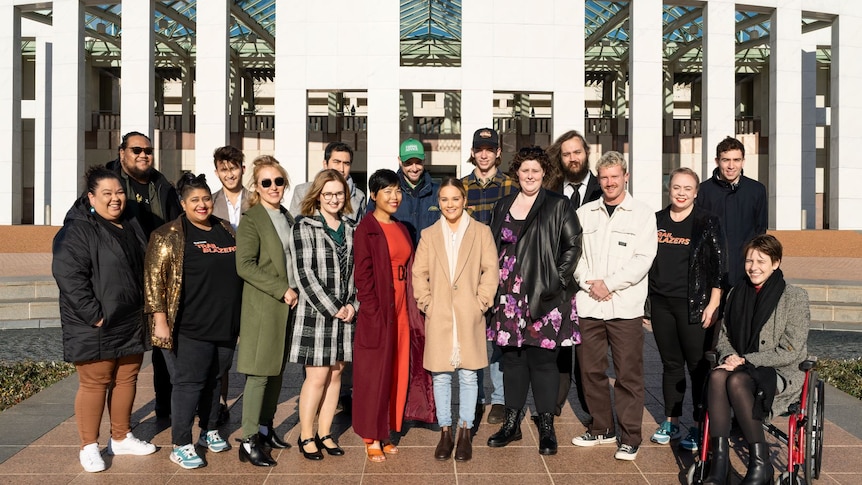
[535,274]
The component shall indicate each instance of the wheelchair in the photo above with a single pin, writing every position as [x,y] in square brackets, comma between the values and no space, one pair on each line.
[804,436]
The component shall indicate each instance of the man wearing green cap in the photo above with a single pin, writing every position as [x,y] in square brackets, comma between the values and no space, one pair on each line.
[418,208]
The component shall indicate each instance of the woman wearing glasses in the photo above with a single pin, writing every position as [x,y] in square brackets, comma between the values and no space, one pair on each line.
[263,260]
[539,241]
[322,249]
[192,296]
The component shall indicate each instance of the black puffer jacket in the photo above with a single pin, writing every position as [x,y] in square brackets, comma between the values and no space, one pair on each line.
[707,258]
[547,250]
[96,282]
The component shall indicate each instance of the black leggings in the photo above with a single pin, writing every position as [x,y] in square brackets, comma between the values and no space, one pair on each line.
[732,390]
[531,365]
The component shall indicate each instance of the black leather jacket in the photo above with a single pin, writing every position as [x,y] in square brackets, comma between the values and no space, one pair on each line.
[707,259]
[548,249]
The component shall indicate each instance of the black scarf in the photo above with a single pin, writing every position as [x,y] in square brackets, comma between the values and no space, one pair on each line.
[748,310]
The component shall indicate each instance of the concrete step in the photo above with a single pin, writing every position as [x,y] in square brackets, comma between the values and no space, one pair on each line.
[27,288]
[832,292]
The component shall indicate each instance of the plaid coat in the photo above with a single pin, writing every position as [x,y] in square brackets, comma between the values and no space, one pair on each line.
[325,280]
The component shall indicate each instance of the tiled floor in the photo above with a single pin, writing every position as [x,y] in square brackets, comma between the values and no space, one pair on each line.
[52,458]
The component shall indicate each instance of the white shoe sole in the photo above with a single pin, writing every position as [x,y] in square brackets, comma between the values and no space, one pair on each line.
[600,441]
[176,459]
[625,456]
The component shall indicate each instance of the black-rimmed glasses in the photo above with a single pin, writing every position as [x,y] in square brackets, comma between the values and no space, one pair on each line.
[138,150]
[266,183]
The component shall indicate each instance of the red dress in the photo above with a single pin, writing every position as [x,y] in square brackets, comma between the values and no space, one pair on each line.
[400,250]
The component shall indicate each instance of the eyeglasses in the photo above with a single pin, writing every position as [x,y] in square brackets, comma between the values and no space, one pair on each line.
[138,150]
[327,196]
[279,182]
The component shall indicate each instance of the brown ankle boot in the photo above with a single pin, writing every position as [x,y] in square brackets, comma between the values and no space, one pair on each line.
[464,449]
[444,447]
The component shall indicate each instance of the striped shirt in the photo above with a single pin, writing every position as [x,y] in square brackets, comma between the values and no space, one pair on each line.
[481,199]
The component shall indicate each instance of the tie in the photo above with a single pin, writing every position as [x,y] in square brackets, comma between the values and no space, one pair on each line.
[576,195]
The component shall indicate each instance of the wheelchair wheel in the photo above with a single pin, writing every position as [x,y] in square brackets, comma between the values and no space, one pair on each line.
[814,428]
[789,479]
[697,473]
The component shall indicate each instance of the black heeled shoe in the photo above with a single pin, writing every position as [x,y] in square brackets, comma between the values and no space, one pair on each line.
[272,440]
[256,454]
[315,455]
[334,451]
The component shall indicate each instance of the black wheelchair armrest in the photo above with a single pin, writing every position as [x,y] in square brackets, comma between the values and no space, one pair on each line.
[711,356]
[808,364]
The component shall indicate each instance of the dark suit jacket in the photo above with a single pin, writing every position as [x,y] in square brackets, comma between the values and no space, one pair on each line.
[594,190]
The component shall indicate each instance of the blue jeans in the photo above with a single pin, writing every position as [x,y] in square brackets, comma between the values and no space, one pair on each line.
[496,371]
[467,391]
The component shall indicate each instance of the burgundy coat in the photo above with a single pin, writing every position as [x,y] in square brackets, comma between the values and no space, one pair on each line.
[374,338]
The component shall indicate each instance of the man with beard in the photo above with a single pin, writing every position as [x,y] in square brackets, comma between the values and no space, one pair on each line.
[570,153]
[153,201]
[485,186]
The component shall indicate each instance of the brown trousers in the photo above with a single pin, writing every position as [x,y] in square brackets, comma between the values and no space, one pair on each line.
[626,339]
[113,379]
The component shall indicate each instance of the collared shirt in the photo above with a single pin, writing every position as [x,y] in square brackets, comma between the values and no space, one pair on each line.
[234,212]
[569,189]
[481,198]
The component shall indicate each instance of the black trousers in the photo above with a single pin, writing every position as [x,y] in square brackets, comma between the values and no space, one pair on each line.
[161,384]
[569,370]
[681,346]
[531,366]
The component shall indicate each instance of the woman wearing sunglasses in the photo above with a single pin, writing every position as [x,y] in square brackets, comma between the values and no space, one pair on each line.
[263,260]
[322,247]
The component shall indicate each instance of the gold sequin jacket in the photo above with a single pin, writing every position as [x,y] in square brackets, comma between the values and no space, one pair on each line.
[163,274]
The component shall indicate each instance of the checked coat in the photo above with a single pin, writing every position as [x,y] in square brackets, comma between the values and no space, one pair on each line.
[324,274]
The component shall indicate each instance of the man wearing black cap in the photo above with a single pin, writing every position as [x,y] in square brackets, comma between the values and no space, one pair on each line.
[485,186]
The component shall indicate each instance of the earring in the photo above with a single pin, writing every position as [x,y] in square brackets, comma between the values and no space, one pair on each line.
[92,210]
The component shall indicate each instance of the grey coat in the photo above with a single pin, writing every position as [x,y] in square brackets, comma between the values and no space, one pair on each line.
[783,344]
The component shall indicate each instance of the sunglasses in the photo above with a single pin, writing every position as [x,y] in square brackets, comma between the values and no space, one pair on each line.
[279,182]
[138,150]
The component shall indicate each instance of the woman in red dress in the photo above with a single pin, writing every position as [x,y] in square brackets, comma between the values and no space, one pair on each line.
[390,384]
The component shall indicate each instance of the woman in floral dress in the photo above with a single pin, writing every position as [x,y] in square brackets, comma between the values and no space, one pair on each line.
[539,242]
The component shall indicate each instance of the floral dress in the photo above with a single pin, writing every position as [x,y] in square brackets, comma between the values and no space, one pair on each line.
[511,324]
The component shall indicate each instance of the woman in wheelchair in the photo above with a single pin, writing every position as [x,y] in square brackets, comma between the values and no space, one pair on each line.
[760,345]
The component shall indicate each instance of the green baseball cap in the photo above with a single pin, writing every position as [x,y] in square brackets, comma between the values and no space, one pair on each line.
[412,148]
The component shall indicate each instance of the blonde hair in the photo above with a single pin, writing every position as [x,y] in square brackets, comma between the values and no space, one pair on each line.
[259,163]
[311,201]
[612,159]
[684,171]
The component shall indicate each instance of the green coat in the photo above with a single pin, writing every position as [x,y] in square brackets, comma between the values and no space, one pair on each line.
[260,262]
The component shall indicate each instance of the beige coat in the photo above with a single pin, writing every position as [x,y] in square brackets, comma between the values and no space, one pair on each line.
[471,293]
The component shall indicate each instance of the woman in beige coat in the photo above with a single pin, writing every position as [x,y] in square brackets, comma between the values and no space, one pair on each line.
[455,277]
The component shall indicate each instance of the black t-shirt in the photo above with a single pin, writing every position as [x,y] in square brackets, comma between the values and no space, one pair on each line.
[669,275]
[141,194]
[212,291]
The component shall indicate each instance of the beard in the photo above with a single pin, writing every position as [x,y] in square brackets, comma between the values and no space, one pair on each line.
[577,175]
[133,171]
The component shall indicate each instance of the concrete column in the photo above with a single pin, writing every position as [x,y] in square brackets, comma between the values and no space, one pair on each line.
[845,169]
[621,101]
[568,101]
[476,112]
[668,103]
[785,106]
[719,75]
[10,114]
[809,135]
[67,130]
[383,91]
[137,76]
[646,80]
[187,102]
[236,74]
[291,98]
[212,87]
[42,133]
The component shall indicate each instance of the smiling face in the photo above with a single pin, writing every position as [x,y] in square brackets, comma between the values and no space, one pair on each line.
[485,157]
[683,191]
[109,199]
[334,191]
[198,206]
[759,267]
[613,181]
[387,199]
[574,156]
[452,203]
[730,164]
[530,175]
[230,175]
[137,166]
[413,169]
[270,196]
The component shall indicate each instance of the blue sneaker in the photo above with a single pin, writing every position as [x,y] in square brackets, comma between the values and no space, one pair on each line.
[691,442]
[666,432]
[213,441]
[186,457]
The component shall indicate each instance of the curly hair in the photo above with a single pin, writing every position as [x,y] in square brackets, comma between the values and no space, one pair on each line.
[530,153]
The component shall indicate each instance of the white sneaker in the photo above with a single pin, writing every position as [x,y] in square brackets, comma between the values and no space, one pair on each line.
[588,439]
[91,458]
[130,446]
[187,457]
[626,452]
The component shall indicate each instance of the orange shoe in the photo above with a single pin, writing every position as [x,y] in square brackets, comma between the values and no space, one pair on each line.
[389,448]
[375,455]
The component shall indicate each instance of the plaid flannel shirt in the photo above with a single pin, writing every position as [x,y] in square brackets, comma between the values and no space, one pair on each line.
[481,200]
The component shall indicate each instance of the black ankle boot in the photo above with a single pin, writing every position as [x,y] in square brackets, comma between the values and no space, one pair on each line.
[511,430]
[272,440]
[760,469]
[256,454]
[547,435]
[718,464]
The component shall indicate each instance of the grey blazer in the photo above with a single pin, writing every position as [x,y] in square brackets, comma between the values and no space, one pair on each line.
[783,344]
[220,204]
